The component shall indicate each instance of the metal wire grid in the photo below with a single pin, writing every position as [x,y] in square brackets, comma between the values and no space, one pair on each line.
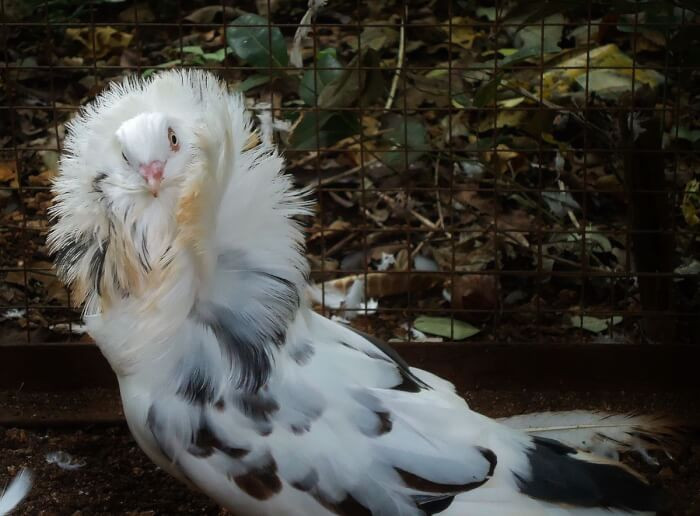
[500,321]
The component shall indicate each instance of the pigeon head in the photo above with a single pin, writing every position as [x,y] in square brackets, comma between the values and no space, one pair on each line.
[142,166]
[155,150]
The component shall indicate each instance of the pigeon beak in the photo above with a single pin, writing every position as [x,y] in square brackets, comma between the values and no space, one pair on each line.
[153,174]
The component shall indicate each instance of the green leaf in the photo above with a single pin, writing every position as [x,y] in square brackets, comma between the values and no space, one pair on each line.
[378,37]
[253,82]
[356,84]
[203,56]
[444,326]
[325,59]
[526,53]
[150,71]
[251,38]
[193,49]
[594,324]
[217,56]
[408,136]
[486,94]
[329,126]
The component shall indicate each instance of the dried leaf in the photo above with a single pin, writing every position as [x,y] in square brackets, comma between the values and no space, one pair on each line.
[382,284]
[106,40]
[574,70]
[209,14]
[691,203]
[8,173]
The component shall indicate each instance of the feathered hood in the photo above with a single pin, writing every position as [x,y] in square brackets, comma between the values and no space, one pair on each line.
[109,244]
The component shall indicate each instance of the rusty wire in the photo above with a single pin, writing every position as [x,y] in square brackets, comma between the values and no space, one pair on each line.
[413,232]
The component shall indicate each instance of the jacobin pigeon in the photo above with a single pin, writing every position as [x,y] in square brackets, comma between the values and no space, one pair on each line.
[178,229]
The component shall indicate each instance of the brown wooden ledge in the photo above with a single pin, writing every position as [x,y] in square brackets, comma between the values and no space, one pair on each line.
[590,367]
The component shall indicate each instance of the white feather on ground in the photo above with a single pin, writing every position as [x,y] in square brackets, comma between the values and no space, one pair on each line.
[15,492]
[601,433]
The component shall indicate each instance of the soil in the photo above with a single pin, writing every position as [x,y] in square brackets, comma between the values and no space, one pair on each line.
[117,478]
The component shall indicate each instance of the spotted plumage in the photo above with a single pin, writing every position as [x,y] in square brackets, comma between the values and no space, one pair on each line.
[178,228]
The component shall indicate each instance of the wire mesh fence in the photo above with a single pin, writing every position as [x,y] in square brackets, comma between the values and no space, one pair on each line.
[485,171]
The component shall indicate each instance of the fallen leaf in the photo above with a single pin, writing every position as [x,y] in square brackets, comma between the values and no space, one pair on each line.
[594,324]
[382,284]
[140,12]
[8,173]
[445,327]
[253,39]
[475,292]
[354,85]
[105,40]
[605,67]
[209,14]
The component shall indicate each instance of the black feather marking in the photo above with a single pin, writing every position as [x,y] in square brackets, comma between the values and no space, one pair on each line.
[97,182]
[307,483]
[384,423]
[302,353]
[261,482]
[348,506]
[197,387]
[126,212]
[245,345]
[246,341]
[144,252]
[351,507]
[428,486]
[257,406]
[558,476]
[409,381]
[205,443]
[433,504]
[167,257]
[97,265]
[300,429]
[156,429]
[70,252]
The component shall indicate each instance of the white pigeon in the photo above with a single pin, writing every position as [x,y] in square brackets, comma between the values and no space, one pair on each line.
[179,230]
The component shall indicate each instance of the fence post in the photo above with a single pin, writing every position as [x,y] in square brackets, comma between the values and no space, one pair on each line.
[649,212]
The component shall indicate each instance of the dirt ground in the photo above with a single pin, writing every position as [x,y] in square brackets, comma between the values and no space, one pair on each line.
[117,478]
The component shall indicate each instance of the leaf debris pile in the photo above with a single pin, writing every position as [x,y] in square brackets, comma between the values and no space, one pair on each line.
[470,184]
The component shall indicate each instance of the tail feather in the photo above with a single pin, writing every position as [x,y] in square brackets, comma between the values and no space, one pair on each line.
[602,433]
[15,492]
[562,475]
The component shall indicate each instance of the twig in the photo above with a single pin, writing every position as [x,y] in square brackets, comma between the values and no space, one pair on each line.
[422,219]
[552,105]
[399,63]
[441,221]
[341,243]
[570,263]
[571,214]
[341,175]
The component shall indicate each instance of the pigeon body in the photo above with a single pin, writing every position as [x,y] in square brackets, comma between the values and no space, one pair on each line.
[179,231]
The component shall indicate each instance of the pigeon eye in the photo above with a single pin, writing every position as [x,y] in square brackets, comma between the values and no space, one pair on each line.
[174,145]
